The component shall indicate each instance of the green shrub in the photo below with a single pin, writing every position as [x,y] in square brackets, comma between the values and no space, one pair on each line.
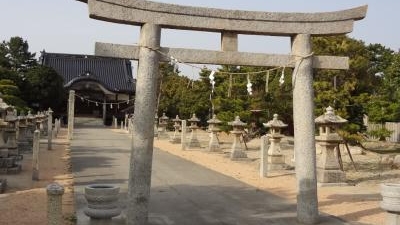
[381,133]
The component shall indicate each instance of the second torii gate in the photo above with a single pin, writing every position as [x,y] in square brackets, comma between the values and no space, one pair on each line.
[153,16]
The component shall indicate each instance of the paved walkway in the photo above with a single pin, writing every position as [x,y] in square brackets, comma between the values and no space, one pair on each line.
[183,193]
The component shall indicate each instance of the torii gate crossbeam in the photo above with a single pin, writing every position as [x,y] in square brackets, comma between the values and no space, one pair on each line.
[153,16]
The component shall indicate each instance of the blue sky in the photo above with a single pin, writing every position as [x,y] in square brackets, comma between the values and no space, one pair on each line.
[63,26]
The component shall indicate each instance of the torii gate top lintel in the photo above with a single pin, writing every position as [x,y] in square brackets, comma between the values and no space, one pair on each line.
[139,12]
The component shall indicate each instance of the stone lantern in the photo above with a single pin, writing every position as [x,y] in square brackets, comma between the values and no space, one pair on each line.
[328,170]
[23,144]
[37,121]
[31,126]
[155,125]
[213,144]
[276,159]
[193,141]
[40,121]
[176,139]
[3,108]
[238,129]
[162,127]
[3,112]
[11,131]
[3,146]
[9,151]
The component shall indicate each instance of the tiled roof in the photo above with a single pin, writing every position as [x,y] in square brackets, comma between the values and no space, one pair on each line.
[114,74]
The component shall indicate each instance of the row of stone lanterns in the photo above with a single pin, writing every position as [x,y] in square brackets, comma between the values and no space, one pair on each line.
[16,135]
[327,167]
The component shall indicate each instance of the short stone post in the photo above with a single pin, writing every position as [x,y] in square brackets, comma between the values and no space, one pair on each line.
[328,169]
[391,203]
[183,135]
[31,123]
[162,127]
[237,151]
[115,123]
[122,125]
[56,127]
[264,156]
[176,138]
[35,156]
[276,160]
[49,128]
[23,143]
[193,140]
[44,124]
[126,122]
[156,125]
[54,204]
[213,144]
[71,109]
[130,125]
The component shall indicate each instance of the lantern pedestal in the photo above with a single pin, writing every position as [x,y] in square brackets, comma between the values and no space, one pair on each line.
[162,127]
[237,151]
[193,140]
[276,160]
[176,138]
[213,144]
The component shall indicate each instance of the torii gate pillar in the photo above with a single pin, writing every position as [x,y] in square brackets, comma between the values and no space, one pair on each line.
[142,141]
[304,131]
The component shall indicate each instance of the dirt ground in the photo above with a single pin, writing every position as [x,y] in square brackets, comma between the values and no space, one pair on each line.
[356,203]
[25,201]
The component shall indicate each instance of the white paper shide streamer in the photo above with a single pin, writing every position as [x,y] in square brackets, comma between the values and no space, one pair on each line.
[282,78]
[249,85]
[212,81]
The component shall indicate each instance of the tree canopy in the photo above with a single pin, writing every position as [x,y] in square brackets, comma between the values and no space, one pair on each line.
[369,87]
[24,83]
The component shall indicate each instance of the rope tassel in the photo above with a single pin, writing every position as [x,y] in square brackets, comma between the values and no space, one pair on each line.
[282,78]
[266,82]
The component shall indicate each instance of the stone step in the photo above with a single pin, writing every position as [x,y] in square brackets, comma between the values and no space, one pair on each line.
[88,121]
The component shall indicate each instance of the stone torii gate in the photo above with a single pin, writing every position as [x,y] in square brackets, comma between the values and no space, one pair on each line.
[153,16]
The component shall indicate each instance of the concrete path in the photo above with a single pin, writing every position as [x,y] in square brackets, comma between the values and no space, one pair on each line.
[183,193]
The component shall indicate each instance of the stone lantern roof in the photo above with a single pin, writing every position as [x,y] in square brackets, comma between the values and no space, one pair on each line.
[193,121]
[177,119]
[22,119]
[213,124]
[329,118]
[328,124]
[30,116]
[11,115]
[3,106]
[194,118]
[237,122]
[164,118]
[275,123]
[214,120]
